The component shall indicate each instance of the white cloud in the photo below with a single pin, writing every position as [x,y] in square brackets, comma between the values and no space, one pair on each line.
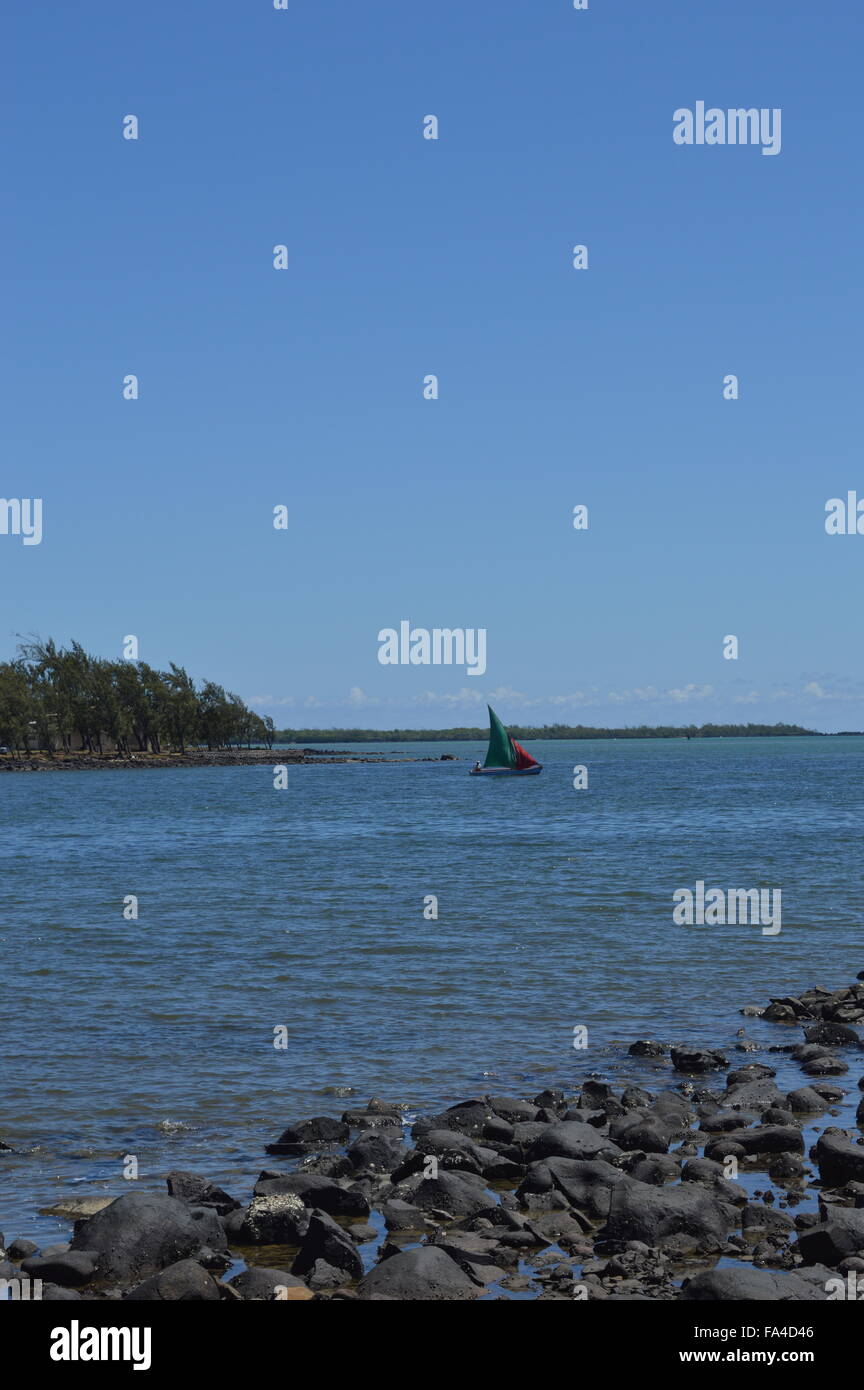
[270,701]
[691,692]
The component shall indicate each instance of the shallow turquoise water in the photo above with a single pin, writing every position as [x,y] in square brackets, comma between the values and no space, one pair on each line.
[304,908]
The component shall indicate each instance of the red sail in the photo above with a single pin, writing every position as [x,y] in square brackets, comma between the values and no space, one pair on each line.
[523,759]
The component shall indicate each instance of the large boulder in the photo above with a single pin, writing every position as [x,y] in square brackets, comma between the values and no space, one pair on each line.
[315,1191]
[756,1285]
[469,1117]
[640,1129]
[321,1129]
[839,1159]
[757,1094]
[572,1139]
[641,1211]
[422,1275]
[459,1194]
[326,1241]
[142,1233]
[761,1139]
[587,1186]
[376,1153]
[695,1060]
[70,1268]
[841,1234]
[806,1101]
[183,1282]
[832,1035]
[272,1219]
[199,1192]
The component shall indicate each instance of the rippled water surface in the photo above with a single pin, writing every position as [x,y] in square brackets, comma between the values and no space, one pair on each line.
[305,908]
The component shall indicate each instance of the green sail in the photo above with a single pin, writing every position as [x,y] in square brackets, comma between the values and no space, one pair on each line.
[500,752]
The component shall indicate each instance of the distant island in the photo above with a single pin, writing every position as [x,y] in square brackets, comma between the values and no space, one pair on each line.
[548,731]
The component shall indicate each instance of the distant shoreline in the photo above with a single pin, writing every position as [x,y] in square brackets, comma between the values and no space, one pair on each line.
[555,731]
[225,757]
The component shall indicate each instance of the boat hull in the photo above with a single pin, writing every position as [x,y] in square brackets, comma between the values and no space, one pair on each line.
[506,771]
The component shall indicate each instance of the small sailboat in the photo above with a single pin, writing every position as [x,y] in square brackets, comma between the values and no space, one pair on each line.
[504,756]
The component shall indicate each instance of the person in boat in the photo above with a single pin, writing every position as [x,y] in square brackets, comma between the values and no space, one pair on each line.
[476,767]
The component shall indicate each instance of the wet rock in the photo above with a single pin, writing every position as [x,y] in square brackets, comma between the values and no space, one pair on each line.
[657,1170]
[325,1276]
[758,1285]
[806,1101]
[323,1166]
[325,1241]
[754,1071]
[640,1129]
[423,1275]
[825,1066]
[403,1216]
[458,1194]
[697,1059]
[829,1091]
[507,1108]
[785,1168]
[647,1047]
[583,1185]
[199,1192]
[278,1219]
[482,1257]
[722,1121]
[756,1095]
[779,1013]
[572,1139]
[321,1129]
[315,1191]
[453,1151]
[638,1211]
[364,1120]
[377,1106]
[77,1208]
[70,1268]
[634,1098]
[762,1139]
[832,1035]
[20,1249]
[497,1131]
[776,1115]
[550,1100]
[755,1217]
[56,1293]
[712,1174]
[142,1233]
[376,1153]
[182,1282]
[524,1135]
[833,1240]
[838,1158]
[469,1117]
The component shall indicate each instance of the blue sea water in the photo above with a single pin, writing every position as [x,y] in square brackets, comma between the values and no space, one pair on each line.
[303,909]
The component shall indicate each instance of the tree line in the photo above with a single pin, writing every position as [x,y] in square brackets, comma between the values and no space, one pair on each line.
[547,731]
[50,696]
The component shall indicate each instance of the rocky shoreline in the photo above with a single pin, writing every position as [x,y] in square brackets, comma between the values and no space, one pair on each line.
[609,1193]
[233,757]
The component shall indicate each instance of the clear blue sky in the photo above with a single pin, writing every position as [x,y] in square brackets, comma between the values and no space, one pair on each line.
[410,257]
